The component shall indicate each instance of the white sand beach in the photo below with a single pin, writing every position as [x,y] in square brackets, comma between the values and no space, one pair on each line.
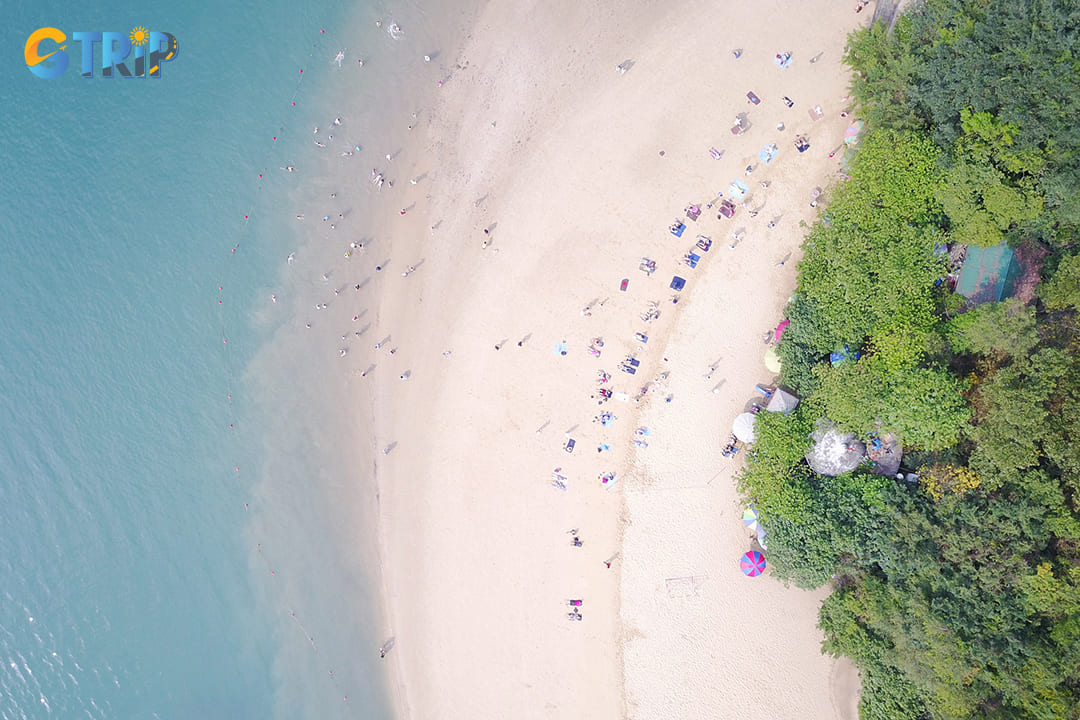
[577,170]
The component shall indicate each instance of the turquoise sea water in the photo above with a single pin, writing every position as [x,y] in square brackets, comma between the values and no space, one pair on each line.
[166,550]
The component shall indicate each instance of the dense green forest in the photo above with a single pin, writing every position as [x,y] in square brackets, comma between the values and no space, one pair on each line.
[958,595]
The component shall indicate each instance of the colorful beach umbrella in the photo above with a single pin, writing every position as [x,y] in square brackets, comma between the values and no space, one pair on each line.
[752,564]
[851,135]
[750,518]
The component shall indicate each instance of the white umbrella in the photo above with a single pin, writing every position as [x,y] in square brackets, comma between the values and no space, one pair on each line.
[743,427]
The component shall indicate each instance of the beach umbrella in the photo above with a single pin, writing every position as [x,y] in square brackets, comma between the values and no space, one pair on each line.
[750,518]
[743,427]
[752,563]
[851,135]
[772,360]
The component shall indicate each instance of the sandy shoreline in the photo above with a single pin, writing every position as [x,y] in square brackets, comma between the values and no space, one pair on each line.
[536,137]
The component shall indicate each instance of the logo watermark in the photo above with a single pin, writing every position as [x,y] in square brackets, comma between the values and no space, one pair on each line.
[147,51]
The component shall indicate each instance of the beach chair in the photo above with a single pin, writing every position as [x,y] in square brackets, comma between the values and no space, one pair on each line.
[704,243]
[693,212]
[727,209]
[691,259]
[677,228]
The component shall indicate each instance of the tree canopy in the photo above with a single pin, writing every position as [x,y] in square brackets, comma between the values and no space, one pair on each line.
[958,595]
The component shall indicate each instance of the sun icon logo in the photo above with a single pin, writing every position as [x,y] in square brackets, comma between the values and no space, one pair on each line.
[139,36]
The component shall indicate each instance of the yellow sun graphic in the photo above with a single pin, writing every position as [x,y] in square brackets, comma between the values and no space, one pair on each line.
[139,36]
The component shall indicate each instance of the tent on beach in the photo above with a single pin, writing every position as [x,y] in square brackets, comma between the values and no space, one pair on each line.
[782,402]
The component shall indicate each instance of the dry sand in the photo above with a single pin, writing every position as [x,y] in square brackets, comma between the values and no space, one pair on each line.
[537,137]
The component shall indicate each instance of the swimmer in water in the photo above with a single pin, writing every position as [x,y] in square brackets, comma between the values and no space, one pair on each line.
[299,217]
[337,121]
[292,256]
[273,298]
[319,144]
[316,132]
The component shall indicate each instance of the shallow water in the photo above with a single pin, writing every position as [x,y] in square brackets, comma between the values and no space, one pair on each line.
[187,513]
